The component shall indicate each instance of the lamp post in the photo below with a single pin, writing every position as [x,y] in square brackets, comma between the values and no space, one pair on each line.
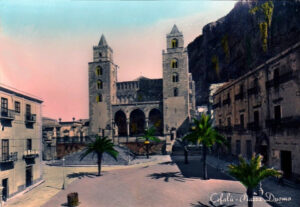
[147,147]
[63,169]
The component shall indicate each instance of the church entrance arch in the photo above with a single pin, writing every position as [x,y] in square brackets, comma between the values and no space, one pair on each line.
[156,120]
[120,120]
[137,122]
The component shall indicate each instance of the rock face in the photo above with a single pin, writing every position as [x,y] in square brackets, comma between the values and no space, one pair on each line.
[233,45]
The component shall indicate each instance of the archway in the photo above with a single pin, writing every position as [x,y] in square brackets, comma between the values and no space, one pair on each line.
[156,120]
[137,122]
[120,120]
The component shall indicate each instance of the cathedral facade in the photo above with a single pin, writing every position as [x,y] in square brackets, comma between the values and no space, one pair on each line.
[123,110]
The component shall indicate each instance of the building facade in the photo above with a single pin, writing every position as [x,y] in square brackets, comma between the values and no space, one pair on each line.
[122,110]
[21,138]
[260,112]
[63,137]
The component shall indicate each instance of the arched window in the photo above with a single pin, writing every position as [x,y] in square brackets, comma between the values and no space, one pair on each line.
[174,43]
[175,77]
[100,54]
[174,63]
[98,70]
[175,91]
[99,98]
[99,84]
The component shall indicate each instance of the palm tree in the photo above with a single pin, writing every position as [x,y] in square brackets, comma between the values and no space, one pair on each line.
[99,146]
[204,133]
[251,173]
[149,136]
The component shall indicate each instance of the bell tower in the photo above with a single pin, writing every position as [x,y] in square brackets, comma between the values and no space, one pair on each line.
[102,88]
[175,84]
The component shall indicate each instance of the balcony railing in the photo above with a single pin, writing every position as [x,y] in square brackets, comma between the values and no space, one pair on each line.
[253,126]
[30,118]
[226,101]
[253,91]
[217,105]
[7,114]
[239,128]
[286,122]
[280,79]
[30,154]
[12,157]
[239,96]
[69,140]
[224,129]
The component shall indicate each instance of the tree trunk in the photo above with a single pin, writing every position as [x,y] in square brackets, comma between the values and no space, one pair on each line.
[250,197]
[204,162]
[99,163]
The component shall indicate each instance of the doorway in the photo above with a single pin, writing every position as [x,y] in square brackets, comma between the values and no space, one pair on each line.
[286,163]
[28,176]
[5,189]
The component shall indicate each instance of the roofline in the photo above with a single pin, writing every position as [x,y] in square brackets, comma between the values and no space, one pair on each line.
[19,93]
[267,62]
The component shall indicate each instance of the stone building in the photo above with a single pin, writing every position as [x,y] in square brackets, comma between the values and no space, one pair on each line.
[21,138]
[260,112]
[63,137]
[122,110]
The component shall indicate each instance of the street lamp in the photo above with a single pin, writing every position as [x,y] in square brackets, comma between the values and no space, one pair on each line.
[63,169]
[147,148]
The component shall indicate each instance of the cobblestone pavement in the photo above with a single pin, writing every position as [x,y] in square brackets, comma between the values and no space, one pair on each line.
[168,183]
[268,185]
[53,176]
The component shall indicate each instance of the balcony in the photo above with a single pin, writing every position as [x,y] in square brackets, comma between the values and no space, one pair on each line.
[253,126]
[28,154]
[239,96]
[7,114]
[280,79]
[226,101]
[224,129]
[217,105]
[286,122]
[253,91]
[12,157]
[30,118]
[239,128]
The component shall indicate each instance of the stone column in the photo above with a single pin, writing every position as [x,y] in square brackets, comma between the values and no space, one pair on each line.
[147,122]
[128,122]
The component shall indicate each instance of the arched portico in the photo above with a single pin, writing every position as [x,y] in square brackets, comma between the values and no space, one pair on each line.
[137,122]
[120,121]
[156,120]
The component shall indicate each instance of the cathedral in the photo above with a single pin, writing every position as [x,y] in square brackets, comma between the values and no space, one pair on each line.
[123,110]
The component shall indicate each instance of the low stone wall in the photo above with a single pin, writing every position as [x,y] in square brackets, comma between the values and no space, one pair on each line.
[68,148]
[139,148]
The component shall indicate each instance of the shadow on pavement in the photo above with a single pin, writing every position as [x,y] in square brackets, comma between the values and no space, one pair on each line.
[167,163]
[81,175]
[167,176]
[194,169]
[199,204]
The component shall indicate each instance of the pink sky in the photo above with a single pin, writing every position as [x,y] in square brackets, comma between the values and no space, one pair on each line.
[56,69]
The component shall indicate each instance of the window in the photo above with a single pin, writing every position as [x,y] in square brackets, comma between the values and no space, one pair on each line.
[98,70]
[174,63]
[174,43]
[276,77]
[99,98]
[228,121]
[99,84]
[175,91]
[29,144]
[4,106]
[242,124]
[220,122]
[238,147]
[100,54]
[277,112]
[175,77]
[5,149]
[17,107]
[28,109]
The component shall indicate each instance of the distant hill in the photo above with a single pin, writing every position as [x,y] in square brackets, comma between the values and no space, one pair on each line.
[252,32]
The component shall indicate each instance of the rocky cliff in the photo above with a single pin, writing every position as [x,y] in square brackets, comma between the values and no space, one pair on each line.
[252,32]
